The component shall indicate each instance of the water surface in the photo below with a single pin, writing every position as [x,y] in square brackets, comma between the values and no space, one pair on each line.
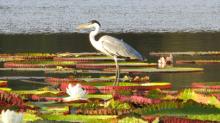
[143,42]
[37,16]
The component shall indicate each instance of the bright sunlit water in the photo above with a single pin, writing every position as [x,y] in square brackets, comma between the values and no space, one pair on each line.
[37,16]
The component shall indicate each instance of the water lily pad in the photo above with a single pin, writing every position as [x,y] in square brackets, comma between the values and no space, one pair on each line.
[38,64]
[164,70]
[191,53]
[5,89]
[84,59]
[143,70]
[81,54]
[131,120]
[102,96]
[189,94]
[112,64]
[132,87]
[82,118]
[28,69]
[36,92]
[3,83]
[25,56]
[30,117]
[197,61]
[206,85]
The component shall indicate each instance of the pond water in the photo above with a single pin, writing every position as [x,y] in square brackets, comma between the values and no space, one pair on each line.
[34,16]
[143,42]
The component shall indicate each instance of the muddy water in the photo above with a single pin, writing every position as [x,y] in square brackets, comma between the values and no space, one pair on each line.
[37,16]
[143,42]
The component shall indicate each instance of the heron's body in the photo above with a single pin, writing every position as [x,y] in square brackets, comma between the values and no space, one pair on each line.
[111,46]
[121,49]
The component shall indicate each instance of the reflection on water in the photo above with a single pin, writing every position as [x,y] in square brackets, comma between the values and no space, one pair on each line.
[143,42]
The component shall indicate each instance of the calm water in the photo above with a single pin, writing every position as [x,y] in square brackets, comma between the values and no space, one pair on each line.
[143,42]
[37,16]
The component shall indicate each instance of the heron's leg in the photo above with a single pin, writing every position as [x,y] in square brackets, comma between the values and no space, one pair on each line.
[118,76]
[117,71]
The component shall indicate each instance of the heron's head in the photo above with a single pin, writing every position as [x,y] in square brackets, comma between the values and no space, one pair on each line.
[90,24]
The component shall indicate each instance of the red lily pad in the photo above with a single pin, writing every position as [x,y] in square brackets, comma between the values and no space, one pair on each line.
[205,86]
[167,119]
[136,99]
[83,59]
[3,83]
[56,81]
[37,64]
[112,65]
[143,87]
[9,100]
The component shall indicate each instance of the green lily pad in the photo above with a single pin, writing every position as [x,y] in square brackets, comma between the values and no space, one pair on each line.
[38,64]
[5,89]
[179,109]
[102,96]
[164,70]
[205,117]
[131,120]
[30,117]
[82,118]
[36,92]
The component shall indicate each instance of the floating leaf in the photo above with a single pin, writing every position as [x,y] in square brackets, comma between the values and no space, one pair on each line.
[136,99]
[103,111]
[37,64]
[112,65]
[84,59]
[102,96]
[3,83]
[197,61]
[133,86]
[182,120]
[36,92]
[207,85]
[188,94]
[8,99]
[131,120]
[176,108]
[205,117]
[26,56]
[191,53]
[27,117]
[82,118]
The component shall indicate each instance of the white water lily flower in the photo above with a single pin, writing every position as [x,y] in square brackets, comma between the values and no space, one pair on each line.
[75,93]
[161,62]
[11,117]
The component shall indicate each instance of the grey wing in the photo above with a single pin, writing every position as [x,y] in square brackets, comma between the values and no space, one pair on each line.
[116,47]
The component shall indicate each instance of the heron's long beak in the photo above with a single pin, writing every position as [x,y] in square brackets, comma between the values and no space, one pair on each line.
[84,26]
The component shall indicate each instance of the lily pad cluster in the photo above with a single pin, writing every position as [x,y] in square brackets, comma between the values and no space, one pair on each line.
[78,88]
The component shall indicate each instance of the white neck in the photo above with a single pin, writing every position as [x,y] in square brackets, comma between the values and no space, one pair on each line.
[94,33]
